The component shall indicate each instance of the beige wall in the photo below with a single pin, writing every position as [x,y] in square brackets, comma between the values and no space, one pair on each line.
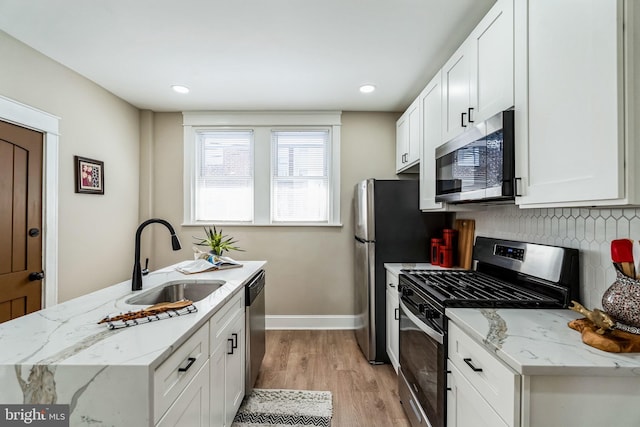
[310,269]
[95,232]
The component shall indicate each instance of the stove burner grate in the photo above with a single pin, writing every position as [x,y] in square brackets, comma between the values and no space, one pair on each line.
[462,286]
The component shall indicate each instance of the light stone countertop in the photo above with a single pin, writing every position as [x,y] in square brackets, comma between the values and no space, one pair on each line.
[539,342]
[68,333]
[61,355]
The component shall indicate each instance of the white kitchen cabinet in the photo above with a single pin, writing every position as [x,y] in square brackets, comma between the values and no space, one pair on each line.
[576,90]
[191,408]
[408,139]
[430,102]
[477,81]
[456,82]
[173,376]
[465,405]
[393,320]
[202,382]
[496,386]
[484,391]
[227,361]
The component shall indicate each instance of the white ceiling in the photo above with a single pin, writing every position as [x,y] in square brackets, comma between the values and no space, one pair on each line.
[249,54]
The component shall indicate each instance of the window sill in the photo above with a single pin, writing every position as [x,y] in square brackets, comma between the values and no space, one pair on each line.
[244,224]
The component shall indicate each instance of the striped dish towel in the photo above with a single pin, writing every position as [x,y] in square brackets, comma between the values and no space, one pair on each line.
[116,324]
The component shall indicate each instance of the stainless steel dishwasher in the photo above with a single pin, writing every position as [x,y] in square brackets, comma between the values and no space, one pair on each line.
[255,335]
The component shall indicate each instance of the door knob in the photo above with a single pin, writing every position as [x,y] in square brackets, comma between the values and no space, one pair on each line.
[34,232]
[36,275]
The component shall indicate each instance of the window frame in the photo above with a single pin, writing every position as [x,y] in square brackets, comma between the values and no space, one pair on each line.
[262,124]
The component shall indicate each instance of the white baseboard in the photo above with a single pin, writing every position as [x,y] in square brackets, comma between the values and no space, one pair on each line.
[309,322]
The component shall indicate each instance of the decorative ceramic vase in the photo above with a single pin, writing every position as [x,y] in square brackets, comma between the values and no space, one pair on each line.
[622,302]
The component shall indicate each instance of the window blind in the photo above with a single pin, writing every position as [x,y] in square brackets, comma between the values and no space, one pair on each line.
[300,179]
[224,179]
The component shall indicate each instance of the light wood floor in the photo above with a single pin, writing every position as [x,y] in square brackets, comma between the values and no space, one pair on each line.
[364,395]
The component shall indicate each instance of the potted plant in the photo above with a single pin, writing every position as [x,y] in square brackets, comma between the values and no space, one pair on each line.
[217,242]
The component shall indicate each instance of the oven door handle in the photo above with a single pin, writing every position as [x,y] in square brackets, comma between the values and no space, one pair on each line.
[439,337]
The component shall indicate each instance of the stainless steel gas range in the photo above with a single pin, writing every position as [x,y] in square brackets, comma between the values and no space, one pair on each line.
[506,274]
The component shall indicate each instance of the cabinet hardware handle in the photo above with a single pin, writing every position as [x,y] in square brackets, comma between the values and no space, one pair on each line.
[467,360]
[191,361]
[470,110]
[515,187]
[396,314]
[462,120]
[448,388]
[391,285]
[234,343]
[232,347]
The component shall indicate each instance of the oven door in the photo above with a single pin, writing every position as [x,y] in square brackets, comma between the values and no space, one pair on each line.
[422,365]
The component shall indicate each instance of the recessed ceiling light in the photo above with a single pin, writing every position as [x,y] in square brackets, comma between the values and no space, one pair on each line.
[180,89]
[367,88]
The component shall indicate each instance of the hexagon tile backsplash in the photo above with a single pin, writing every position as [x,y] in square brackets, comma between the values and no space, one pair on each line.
[589,230]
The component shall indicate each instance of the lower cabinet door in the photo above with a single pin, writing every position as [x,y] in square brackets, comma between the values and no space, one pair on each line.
[235,368]
[393,324]
[466,407]
[217,360]
[191,408]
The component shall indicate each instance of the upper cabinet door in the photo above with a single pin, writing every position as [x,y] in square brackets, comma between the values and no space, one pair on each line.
[430,100]
[456,93]
[477,81]
[570,110]
[408,139]
[491,56]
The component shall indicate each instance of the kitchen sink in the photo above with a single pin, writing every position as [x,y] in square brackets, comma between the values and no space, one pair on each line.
[176,291]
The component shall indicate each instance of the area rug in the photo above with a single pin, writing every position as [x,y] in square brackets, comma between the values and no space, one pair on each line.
[285,408]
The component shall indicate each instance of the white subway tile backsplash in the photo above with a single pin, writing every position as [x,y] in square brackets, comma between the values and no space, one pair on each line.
[589,230]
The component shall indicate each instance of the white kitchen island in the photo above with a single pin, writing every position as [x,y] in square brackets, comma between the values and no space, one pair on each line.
[117,377]
[526,367]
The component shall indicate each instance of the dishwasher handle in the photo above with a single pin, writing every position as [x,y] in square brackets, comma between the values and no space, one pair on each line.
[254,287]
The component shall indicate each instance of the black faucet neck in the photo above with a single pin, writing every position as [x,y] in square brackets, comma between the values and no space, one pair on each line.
[136,278]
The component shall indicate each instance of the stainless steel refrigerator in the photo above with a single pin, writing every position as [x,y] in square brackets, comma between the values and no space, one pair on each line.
[389,227]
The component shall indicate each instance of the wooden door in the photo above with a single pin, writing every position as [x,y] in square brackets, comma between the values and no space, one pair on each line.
[20,220]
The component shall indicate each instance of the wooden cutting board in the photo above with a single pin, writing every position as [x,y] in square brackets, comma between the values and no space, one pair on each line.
[466,232]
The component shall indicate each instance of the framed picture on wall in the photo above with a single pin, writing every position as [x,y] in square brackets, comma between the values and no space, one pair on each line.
[89,175]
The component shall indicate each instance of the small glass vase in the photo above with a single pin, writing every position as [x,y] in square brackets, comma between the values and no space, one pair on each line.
[622,302]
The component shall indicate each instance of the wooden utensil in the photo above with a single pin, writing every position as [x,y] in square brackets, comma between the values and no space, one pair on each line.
[622,253]
[149,311]
[466,229]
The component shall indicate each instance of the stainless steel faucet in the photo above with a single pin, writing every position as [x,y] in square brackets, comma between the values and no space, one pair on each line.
[136,278]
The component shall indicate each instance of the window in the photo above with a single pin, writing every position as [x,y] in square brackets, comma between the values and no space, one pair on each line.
[300,186]
[224,181]
[262,168]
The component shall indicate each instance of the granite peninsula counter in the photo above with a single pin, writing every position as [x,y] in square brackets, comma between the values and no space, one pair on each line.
[61,355]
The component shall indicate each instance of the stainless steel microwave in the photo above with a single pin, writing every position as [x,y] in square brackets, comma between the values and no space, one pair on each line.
[479,164]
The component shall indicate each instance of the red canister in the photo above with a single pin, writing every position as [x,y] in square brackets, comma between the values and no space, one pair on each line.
[435,251]
[446,256]
[449,236]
